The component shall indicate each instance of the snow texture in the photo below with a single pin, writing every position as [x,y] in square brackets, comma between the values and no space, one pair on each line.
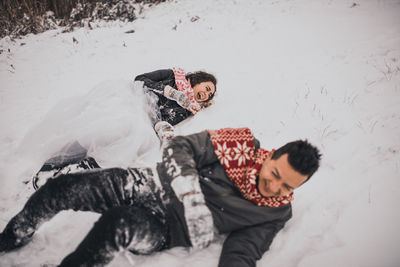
[199,220]
[323,70]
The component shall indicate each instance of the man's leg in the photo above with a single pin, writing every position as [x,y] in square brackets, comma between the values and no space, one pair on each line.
[96,191]
[128,227]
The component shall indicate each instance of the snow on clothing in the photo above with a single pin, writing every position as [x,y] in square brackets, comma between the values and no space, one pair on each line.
[71,158]
[129,200]
[250,228]
[114,193]
[169,110]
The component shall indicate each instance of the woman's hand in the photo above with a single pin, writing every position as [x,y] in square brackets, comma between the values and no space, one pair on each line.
[181,98]
[194,107]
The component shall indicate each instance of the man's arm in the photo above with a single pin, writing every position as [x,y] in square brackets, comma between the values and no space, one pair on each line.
[156,80]
[190,152]
[244,247]
[181,160]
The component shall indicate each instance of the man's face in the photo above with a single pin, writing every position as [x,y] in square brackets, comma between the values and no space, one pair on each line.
[278,178]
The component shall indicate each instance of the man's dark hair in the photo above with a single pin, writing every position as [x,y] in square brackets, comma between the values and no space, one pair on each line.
[302,156]
[201,76]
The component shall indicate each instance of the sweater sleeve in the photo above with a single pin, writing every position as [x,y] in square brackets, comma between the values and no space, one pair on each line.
[242,248]
[157,80]
[191,152]
[180,163]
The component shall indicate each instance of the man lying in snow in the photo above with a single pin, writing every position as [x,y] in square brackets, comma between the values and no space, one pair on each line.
[210,181]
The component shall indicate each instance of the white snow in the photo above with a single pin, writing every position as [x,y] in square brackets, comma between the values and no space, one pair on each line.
[323,70]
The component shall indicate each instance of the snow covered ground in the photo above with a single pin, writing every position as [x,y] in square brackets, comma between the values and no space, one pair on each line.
[323,70]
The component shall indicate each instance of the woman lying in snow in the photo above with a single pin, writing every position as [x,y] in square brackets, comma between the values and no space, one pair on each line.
[173,96]
[177,95]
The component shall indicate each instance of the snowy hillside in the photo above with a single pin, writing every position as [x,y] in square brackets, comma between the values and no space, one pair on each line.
[324,70]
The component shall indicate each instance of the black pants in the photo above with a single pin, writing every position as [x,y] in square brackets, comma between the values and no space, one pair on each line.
[133,216]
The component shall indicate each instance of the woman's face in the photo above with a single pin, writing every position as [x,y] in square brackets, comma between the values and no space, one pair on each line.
[203,91]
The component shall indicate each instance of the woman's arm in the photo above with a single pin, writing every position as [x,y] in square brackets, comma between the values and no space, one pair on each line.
[157,80]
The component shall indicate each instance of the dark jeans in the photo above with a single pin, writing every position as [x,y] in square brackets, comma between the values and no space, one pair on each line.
[133,216]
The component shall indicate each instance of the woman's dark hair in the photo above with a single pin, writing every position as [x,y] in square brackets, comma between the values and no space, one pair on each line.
[302,156]
[201,76]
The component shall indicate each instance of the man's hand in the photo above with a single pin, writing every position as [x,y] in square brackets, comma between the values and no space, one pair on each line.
[181,98]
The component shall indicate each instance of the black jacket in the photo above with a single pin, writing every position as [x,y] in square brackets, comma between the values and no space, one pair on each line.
[169,109]
[250,228]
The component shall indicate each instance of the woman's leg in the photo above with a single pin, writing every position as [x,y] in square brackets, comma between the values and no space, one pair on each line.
[97,190]
[130,227]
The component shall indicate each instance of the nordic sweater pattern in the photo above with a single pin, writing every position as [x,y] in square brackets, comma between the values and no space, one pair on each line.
[236,151]
[183,85]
